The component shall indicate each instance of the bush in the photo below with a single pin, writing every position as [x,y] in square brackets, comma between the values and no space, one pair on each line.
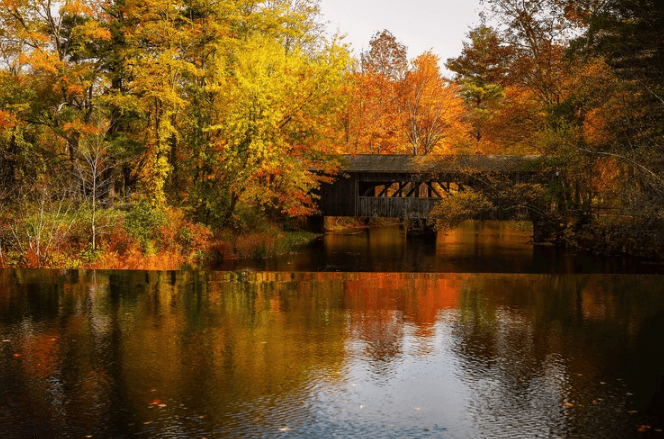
[142,222]
[451,211]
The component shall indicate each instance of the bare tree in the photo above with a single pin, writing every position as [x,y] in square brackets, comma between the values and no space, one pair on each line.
[96,161]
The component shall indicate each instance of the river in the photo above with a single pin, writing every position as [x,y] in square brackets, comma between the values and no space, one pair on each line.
[474,335]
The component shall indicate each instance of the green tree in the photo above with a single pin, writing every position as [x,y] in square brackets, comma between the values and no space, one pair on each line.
[482,72]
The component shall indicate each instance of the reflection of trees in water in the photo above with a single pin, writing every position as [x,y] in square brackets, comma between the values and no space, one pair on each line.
[117,353]
[528,345]
[231,348]
[383,304]
[381,333]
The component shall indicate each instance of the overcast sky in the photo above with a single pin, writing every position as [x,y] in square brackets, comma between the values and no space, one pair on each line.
[436,25]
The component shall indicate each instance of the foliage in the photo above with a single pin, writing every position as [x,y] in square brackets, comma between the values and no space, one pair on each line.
[482,72]
[451,211]
[142,221]
[432,110]
[220,110]
[223,115]
[397,108]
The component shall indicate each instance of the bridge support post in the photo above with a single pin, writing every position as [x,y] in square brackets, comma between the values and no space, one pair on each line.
[547,228]
[420,227]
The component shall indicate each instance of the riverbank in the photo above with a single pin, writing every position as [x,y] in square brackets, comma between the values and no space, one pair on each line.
[628,239]
[623,236]
[143,238]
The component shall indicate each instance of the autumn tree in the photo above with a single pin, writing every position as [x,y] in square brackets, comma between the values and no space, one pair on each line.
[270,122]
[387,56]
[431,108]
[222,109]
[49,50]
[626,35]
[538,31]
[482,72]
[374,96]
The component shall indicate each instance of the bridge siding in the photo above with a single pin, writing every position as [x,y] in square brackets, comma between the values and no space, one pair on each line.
[338,198]
[395,207]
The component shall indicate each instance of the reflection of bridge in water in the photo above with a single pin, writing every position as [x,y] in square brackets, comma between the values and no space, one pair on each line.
[409,187]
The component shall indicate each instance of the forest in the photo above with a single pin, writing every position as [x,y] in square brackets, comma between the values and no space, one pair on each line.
[155,133]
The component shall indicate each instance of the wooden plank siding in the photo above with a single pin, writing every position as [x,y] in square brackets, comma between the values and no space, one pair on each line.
[340,197]
[388,207]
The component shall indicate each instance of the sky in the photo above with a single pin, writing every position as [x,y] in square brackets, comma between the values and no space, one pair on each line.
[437,25]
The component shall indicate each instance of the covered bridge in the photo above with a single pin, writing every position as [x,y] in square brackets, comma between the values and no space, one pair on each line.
[406,186]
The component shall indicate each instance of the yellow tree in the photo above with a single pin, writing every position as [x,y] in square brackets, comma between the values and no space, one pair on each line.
[272,123]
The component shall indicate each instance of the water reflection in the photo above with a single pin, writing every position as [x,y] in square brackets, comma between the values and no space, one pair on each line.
[185,354]
[472,247]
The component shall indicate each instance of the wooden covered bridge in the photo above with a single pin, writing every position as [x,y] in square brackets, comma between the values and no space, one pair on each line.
[408,187]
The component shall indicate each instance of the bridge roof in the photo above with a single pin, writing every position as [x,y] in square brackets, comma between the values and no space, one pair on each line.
[409,164]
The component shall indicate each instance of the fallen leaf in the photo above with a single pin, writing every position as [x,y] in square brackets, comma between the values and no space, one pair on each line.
[568,404]
[156,401]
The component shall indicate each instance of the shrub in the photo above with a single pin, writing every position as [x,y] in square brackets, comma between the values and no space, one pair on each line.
[142,223]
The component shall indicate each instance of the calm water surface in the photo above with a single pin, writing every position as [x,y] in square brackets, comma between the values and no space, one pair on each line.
[473,247]
[111,354]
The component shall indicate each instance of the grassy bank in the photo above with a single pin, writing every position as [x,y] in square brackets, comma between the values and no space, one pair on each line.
[339,223]
[142,238]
